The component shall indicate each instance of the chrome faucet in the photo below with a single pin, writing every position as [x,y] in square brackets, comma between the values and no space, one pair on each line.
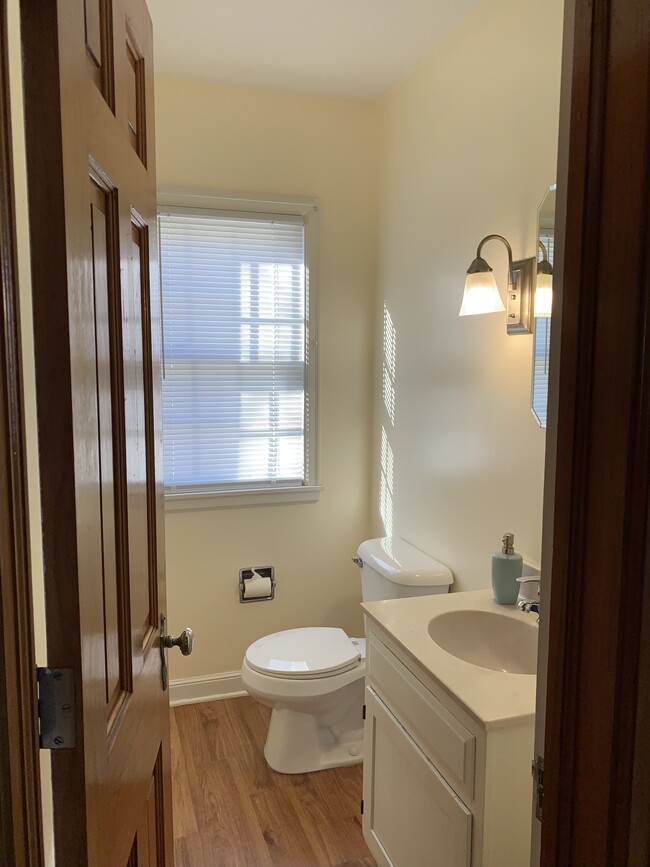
[529,605]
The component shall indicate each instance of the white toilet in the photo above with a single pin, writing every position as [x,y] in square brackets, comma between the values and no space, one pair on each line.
[313,678]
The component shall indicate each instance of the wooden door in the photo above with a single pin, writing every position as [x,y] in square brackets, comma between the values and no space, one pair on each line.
[597,545]
[92,197]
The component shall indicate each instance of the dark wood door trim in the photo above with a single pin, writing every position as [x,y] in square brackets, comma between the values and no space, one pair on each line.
[596,802]
[20,811]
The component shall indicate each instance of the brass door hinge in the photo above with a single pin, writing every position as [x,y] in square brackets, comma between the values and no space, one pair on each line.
[56,708]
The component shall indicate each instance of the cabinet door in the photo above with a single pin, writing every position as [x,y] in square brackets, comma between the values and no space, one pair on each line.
[412,818]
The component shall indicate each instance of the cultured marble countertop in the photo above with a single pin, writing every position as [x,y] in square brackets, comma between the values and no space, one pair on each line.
[494,698]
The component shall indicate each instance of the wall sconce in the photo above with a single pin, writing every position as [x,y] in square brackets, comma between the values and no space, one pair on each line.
[544,287]
[482,295]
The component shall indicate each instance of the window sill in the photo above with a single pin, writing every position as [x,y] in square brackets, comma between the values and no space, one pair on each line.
[195,502]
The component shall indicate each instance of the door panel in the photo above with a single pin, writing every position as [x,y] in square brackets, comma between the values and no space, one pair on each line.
[136,109]
[109,369]
[89,109]
[141,279]
[145,618]
[148,845]
[99,48]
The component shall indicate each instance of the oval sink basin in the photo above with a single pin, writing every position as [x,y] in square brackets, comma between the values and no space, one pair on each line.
[488,639]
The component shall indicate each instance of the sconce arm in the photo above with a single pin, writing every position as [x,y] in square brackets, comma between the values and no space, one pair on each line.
[511,272]
[544,267]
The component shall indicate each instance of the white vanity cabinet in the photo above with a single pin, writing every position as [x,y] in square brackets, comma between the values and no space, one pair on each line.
[440,789]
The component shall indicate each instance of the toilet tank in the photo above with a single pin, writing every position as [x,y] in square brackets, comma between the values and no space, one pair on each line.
[392,568]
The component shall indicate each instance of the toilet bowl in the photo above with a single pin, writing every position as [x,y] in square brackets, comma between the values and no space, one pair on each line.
[314,678]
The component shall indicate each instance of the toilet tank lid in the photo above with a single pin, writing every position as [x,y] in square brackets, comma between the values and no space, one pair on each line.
[400,562]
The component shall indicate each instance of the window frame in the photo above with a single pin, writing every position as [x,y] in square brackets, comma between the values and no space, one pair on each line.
[308,209]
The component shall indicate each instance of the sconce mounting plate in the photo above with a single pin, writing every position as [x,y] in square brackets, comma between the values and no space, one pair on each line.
[520,297]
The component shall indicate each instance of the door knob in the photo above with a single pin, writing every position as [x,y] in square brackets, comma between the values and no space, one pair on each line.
[185,641]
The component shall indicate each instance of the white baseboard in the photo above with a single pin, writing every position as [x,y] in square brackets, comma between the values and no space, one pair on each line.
[192,690]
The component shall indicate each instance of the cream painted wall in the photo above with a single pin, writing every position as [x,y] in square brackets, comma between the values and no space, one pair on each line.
[468,147]
[236,139]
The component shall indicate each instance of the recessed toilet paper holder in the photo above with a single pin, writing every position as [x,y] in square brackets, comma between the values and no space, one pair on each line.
[247,574]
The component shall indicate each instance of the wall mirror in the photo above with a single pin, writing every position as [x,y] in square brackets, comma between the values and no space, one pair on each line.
[542,310]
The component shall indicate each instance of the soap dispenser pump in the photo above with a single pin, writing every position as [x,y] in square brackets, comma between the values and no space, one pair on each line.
[507,566]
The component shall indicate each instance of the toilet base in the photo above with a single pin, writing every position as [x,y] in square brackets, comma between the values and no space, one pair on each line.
[297,744]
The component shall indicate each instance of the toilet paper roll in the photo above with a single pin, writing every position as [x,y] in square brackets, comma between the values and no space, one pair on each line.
[257,587]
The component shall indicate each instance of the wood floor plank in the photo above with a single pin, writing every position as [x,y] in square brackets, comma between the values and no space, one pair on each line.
[234,833]
[243,733]
[189,788]
[184,815]
[285,834]
[329,817]
[232,810]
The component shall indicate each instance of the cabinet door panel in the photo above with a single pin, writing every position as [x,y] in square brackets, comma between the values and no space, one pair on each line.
[411,816]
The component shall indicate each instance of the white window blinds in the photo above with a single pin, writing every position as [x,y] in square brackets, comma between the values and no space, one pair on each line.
[235,329]
[540,368]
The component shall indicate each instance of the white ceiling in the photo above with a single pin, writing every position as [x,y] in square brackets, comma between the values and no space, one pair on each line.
[356,49]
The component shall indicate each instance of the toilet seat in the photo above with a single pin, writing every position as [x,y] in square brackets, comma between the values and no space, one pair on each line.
[307,653]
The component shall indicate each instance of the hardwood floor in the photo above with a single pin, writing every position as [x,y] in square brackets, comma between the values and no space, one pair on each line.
[232,810]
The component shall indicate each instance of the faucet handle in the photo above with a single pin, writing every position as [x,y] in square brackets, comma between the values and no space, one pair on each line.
[530,579]
[526,603]
[524,600]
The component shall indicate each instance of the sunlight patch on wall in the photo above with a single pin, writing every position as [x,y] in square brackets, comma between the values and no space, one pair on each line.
[389,362]
[389,368]
[386,484]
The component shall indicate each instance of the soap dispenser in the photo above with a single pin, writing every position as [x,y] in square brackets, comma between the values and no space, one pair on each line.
[507,566]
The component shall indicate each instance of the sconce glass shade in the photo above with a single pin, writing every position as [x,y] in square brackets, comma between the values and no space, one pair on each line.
[544,295]
[481,295]
[544,290]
